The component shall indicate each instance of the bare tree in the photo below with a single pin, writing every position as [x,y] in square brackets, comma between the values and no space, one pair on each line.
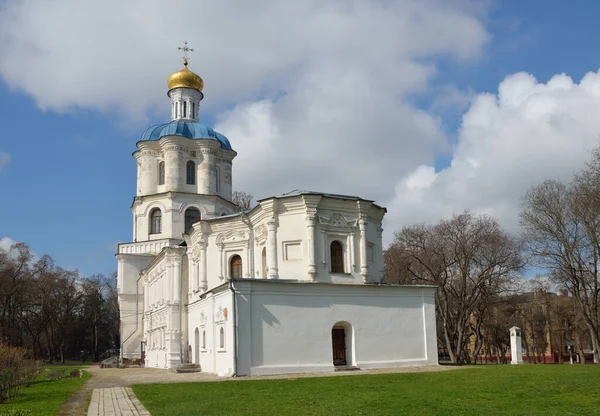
[471,260]
[561,223]
[242,199]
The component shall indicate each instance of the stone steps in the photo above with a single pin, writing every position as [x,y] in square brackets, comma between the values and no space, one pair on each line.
[188,368]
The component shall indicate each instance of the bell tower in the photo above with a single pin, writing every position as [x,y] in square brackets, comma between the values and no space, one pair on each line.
[184,166]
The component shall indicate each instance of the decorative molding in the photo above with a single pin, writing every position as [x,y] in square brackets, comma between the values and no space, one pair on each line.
[220,315]
[203,319]
[232,236]
[261,233]
[337,220]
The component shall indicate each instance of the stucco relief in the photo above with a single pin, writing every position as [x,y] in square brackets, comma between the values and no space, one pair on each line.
[220,315]
[337,220]
[260,234]
[232,236]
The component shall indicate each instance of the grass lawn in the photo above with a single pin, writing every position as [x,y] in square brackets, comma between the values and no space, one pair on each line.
[45,397]
[484,390]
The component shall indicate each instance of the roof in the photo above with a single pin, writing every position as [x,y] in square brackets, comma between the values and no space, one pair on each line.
[299,192]
[189,129]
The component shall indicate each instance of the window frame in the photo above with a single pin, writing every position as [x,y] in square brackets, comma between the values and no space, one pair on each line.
[161,172]
[236,264]
[190,172]
[155,221]
[337,265]
[187,226]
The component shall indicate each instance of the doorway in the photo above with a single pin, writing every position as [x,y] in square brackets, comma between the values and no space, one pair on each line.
[338,340]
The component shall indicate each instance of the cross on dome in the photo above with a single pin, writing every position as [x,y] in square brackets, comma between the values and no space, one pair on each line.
[185,50]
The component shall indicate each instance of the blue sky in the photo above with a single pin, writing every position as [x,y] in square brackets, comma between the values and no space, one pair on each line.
[70,181]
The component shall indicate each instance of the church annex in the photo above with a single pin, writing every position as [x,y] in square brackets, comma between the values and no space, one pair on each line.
[292,285]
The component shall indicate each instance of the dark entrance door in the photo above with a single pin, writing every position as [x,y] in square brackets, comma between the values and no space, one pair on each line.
[338,339]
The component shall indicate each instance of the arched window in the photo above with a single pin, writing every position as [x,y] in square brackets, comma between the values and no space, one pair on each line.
[193,110]
[203,340]
[155,221]
[191,172]
[337,257]
[161,173]
[192,215]
[235,269]
[221,338]
[184,108]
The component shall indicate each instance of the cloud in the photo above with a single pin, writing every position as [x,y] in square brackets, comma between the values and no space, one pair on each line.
[313,95]
[6,243]
[528,132]
[4,159]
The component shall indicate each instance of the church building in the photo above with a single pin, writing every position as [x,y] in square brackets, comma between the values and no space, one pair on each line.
[294,284]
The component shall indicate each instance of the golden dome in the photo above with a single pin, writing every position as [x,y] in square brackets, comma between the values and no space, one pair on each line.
[185,79]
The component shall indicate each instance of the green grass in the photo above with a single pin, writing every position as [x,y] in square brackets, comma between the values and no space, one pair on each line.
[484,390]
[45,397]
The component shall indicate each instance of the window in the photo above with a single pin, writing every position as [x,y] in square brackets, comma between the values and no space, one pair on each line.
[161,173]
[203,340]
[155,221]
[191,173]
[192,215]
[235,269]
[184,108]
[193,114]
[221,338]
[337,257]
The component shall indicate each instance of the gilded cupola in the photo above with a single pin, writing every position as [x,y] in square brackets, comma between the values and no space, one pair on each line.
[185,78]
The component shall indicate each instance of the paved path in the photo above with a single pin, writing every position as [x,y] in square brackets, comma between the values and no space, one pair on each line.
[115,401]
[107,378]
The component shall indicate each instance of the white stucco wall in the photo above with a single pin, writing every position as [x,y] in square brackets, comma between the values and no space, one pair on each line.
[208,316]
[286,327]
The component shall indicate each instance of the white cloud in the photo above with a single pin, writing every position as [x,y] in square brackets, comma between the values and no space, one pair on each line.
[6,243]
[4,159]
[528,132]
[334,78]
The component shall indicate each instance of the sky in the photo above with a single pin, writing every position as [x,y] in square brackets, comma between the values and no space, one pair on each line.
[428,107]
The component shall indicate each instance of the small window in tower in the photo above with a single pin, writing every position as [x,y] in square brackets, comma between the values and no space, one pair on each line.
[235,266]
[192,215]
[221,338]
[337,257]
[191,173]
[184,108]
[155,221]
[193,110]
[161,173]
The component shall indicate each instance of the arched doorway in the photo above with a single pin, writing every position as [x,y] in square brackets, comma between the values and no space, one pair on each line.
[196,346]
[342,343]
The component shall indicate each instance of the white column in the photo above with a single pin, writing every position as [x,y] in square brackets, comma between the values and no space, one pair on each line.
[193,276]
[272,248]
[222,272]
[311,221]
[176,276]
[516,348]
[146,297]
[364,271]
[203,279]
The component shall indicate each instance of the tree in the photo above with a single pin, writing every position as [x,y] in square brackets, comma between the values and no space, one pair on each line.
[242,199]
[561,225]
[471,260]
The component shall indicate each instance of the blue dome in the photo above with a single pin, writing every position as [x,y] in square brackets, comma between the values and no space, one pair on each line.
[189,129]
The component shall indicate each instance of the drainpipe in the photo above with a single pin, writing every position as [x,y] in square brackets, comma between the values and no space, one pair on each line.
[137,315]
[235,328]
